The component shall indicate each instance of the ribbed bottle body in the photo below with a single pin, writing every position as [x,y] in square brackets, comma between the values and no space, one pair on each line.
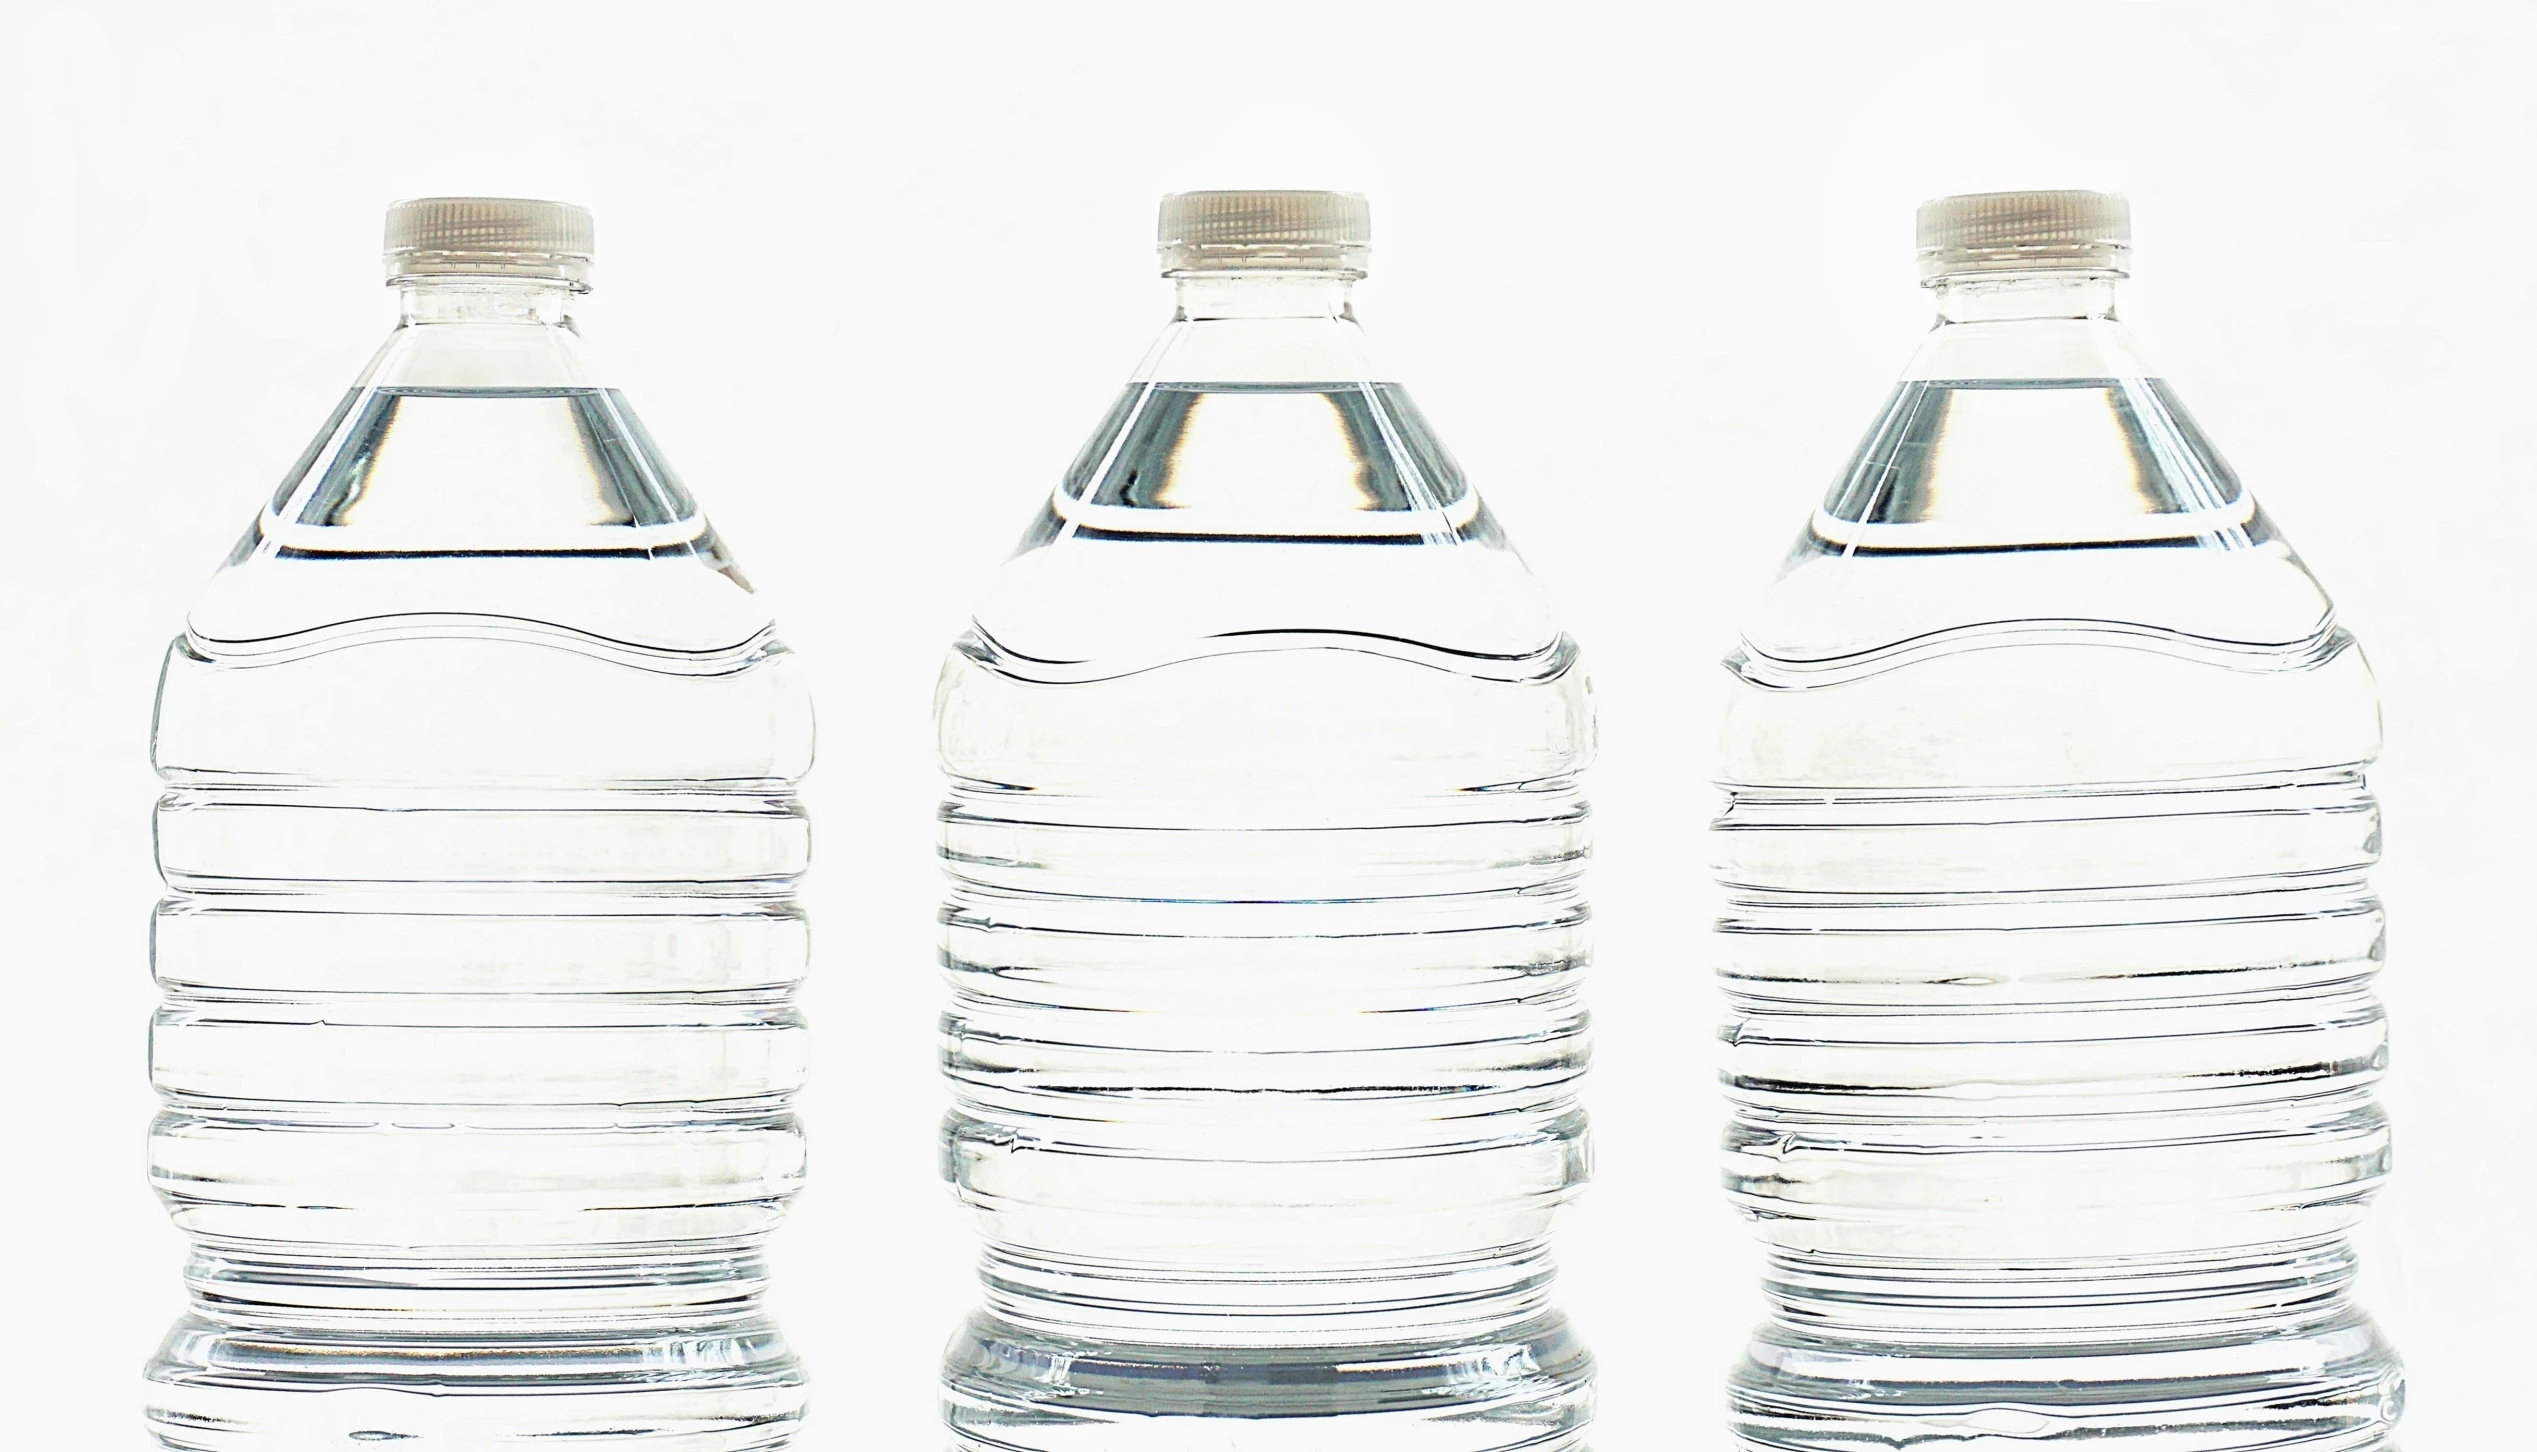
[478,1039]
[1265,941]
[2049,944]
[1265,1042]
[478,1091]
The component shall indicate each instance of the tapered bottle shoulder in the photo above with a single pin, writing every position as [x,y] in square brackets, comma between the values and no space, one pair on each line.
[2038,580]
[482,582]
[1265,573]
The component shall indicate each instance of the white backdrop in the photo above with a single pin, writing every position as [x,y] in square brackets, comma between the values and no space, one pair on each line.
[871,274]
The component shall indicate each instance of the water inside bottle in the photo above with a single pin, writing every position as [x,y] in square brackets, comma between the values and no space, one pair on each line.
[1265,943]
[2048,947]
[478,1038]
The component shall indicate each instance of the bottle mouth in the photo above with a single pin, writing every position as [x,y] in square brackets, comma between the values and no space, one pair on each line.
[1989,233]
[1264,231]
[491,238]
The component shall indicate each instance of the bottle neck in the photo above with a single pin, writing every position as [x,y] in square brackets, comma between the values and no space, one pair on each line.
[2033,326]
[1263,293]
[476,298]
[2008,297]
[1261,326]
[475,331]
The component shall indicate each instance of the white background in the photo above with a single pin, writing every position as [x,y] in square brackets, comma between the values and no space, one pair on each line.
[871,274]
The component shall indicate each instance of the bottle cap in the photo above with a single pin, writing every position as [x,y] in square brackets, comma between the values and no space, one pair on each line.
[490,236]
[2024,232]
[1297,231]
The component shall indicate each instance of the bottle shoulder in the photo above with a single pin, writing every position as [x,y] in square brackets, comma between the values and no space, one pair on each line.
[1213,511]
[2024,582]
[2060,503]
[544,505]
[482,570]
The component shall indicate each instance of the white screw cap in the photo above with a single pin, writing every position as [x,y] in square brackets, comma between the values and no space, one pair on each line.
[1294,231]
[2024,232]
[491,236]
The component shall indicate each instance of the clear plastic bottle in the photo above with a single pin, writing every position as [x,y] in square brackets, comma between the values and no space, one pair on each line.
[2049,937]
[479,953]
[1264,932]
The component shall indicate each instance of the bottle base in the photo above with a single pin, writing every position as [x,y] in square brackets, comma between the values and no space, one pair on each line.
[2331,1386]
[1007,1388]
[225,1388]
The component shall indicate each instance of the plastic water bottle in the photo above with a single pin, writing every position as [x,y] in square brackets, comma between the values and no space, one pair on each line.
[1264,931]
[478,1042]
[2049,937]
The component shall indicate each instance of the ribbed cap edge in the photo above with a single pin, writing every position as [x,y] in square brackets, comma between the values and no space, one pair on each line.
[2024,232]
[1303,230]
[493,236]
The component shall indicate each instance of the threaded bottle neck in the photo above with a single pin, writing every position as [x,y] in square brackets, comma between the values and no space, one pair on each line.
[464,298]
[2005,297]
[1226,295]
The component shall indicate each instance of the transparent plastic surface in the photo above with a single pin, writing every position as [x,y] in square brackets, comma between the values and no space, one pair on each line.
[477,1039]
[1264,932]
[2050,939]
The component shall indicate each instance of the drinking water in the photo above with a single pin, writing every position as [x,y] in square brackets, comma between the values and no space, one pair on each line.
[2050,937]
[478,1043]
[1264,930]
